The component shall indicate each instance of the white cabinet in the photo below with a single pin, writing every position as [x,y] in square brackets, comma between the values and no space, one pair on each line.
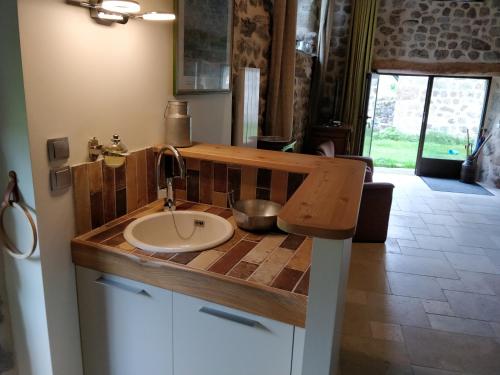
[211,339]
[126,326]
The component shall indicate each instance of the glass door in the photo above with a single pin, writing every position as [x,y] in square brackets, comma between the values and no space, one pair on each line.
[453,117]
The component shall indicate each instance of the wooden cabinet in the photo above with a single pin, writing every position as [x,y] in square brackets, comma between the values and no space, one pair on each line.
[126,326]
[211,339]
[130,328]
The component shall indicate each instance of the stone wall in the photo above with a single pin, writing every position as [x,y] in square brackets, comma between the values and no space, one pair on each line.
[489,163]
[252,43]
[438,31]
[303,74]
[337,59]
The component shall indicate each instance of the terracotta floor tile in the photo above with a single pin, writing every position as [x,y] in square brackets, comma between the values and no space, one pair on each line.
[422,252]
[451,351]
[469,262]
[474,306]
[437,307]
[461,325]
[386,331]
[415,286]
[419,266]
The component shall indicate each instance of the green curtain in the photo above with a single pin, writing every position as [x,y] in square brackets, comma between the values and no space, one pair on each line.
[359,63]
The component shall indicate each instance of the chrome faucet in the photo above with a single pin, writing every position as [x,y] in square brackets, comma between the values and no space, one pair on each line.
[170,199]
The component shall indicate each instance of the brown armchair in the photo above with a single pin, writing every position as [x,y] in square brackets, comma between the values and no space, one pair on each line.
[376,200]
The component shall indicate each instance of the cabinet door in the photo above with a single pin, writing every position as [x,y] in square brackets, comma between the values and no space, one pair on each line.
[126,326]
[210,339]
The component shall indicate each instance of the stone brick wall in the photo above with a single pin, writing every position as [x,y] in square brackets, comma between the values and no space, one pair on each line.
[303,75]
[252,42]
[489,163]
[308,20]
[337,59]
[438,31]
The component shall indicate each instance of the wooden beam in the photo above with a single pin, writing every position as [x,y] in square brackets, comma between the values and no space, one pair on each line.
[436,68]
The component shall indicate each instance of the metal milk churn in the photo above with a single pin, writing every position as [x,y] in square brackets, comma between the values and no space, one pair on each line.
[178,124]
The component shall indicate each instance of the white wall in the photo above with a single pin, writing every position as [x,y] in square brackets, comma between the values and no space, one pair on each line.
[83,80]
[23,278]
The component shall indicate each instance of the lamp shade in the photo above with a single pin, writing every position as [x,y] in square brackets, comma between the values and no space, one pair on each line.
[121,6]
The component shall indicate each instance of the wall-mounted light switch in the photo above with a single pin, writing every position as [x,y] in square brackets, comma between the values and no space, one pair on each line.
[60,178]
[58,149]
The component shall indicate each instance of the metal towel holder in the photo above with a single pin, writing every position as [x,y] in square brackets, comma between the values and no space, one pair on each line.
[11,198]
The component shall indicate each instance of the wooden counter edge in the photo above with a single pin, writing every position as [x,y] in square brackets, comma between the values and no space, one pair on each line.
[265,301]
[331,214]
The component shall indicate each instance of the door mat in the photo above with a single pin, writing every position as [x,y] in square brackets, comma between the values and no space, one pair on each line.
[454,186]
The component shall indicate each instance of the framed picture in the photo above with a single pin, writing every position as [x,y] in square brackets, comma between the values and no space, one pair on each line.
[203,46]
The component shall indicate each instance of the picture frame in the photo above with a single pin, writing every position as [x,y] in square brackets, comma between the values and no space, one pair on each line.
[203,38]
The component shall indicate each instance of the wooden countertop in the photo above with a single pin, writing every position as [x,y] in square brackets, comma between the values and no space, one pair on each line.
[326,205]
[267,275]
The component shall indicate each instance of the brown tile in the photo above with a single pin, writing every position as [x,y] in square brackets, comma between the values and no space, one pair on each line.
[152,194]
[248,182]
[264,248]
[193,185]
[186,206]
[142,179]
[272,266]
[232,257]
[368,276]
[287,279]
[163,256]
[215,210]
[243,270]
[184,258]
[220,178]
[95,177]
[206,181]
[181,194]
[279,181]
[302,257]
[219,199]
[111,232]
[109,193]
[303,285]
[121,202]
[293,241]
[120,178]
[115,241]
[234,182]
[131,182]
[256,237]
[226,214]
[141,253]
[205,259]
[81,197]
[180,183]
[294,181]
[97,209]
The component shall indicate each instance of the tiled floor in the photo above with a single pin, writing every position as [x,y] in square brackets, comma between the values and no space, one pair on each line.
[427,302]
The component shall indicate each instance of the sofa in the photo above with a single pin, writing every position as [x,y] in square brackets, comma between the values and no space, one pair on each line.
[376,200]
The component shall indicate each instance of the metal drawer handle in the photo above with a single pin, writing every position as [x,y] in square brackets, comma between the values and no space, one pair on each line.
[116,284]
[233,318]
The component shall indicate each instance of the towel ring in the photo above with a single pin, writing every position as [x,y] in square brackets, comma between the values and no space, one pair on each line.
[11,199]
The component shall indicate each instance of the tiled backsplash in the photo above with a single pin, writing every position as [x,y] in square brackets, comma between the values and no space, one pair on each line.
[103,194]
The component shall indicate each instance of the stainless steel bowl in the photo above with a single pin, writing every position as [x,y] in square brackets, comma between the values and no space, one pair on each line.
[256,214]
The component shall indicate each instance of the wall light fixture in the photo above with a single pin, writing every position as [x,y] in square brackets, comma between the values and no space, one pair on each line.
[119,11]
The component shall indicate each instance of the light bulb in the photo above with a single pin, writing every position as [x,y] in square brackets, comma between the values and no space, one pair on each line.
[110,17]
[121,6]
[154,16]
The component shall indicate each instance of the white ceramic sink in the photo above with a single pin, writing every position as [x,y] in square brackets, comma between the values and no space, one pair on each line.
[178,231]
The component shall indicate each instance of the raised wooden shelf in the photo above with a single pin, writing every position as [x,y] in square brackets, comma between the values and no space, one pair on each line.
[327,203]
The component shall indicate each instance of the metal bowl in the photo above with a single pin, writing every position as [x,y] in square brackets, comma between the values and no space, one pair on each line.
[256,214]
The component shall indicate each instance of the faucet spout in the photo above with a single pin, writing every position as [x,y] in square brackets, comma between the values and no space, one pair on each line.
[170,199]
